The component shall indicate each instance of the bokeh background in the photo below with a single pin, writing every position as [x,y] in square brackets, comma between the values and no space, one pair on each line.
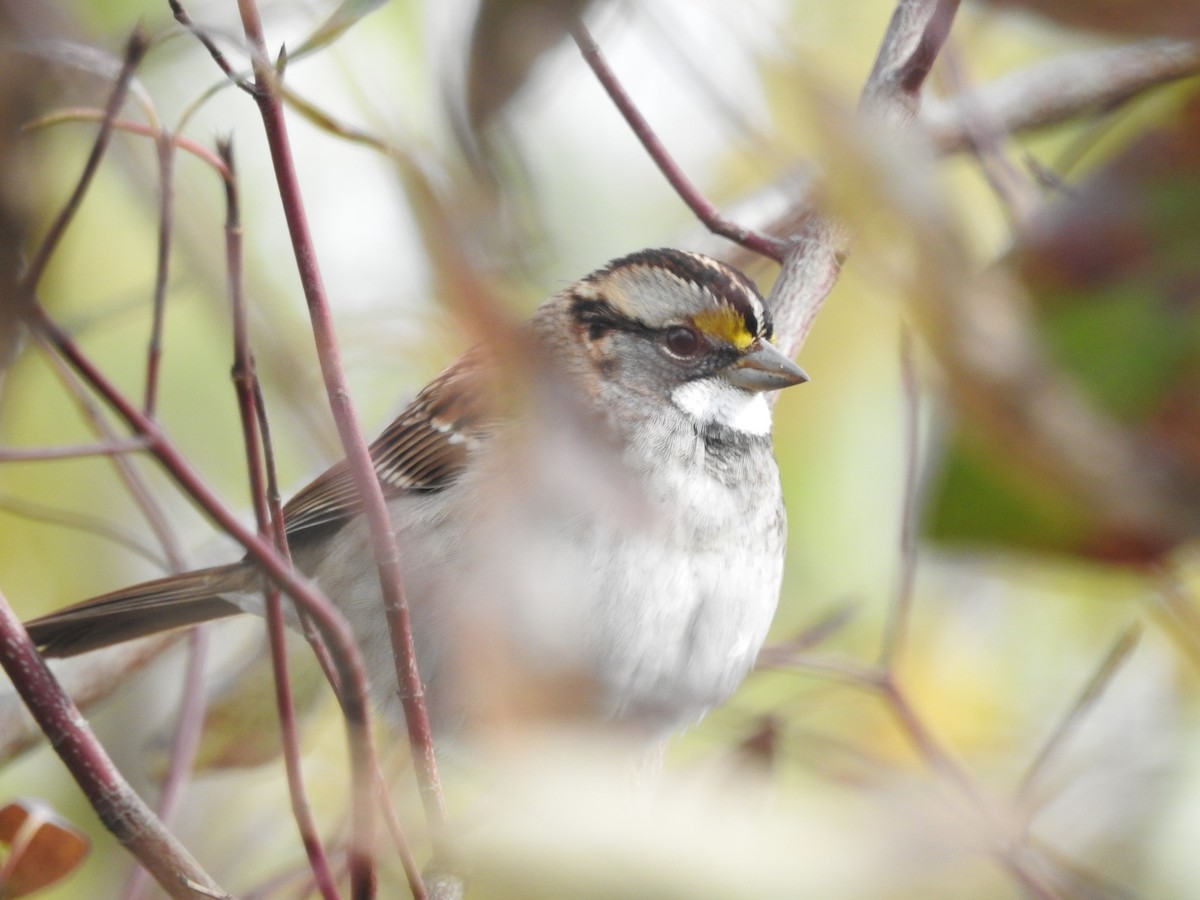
[1033,734]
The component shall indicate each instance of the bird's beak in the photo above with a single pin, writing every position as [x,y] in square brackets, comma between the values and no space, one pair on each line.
[764,368]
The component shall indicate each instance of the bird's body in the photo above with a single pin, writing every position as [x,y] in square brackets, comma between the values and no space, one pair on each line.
[615,525]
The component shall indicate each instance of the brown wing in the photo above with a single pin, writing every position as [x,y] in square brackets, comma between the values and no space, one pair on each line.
[144,609]
[424,449]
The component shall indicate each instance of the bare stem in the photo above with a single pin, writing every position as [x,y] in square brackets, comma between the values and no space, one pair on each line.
[183,18]
[258,459]
[114,447]
[358,459]
[705,211]
[135,49]
[900,609]
[1060,89]
[119,807]
[166,202]
[1118,654]
[189,729]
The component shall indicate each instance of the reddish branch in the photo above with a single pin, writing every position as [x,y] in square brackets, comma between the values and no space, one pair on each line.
[345,653]
[705,210]
[352,677]
[260,465]
[118,806]
[354,446]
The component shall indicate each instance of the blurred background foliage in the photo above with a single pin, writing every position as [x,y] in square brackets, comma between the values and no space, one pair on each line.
[1038,733]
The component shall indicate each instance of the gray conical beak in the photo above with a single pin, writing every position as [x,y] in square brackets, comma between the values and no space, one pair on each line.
[764,368]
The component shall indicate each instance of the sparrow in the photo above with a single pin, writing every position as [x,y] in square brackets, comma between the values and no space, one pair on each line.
[612,523]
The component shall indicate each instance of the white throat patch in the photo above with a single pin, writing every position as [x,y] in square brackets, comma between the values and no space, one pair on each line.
[716,400]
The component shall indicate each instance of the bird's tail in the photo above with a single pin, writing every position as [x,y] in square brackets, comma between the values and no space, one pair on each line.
[149,608]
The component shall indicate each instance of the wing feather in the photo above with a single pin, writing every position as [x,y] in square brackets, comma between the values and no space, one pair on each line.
[424,449]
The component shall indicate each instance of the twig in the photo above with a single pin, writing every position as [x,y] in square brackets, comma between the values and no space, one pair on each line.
[412,871]
[259,462]
[353,683]
[900,609]
[83,114]
[705,211]
[1012,186]
[358,459]
[1060,89]
[88,524]
[1118,654]
[165,146]
[189,729]
[129,474]
[115,447]
[352,676]
[810,269]
[913,39]
[183,18]
[135,49]
[119,807]
[193,700]
[1175,606]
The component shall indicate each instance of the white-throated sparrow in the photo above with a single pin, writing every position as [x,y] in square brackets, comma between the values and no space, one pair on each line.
[619,519]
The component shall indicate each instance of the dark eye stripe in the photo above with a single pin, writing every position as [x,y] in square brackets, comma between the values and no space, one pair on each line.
[599,318]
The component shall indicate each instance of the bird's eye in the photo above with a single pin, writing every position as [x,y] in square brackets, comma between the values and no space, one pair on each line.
[682,342]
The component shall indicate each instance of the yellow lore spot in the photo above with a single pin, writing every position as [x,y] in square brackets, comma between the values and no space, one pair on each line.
[725,323]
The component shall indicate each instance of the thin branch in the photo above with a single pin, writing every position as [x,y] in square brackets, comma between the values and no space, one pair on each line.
[1060,89]
[412,871]
[115,447]
[183,18]
[913,39]
[810,269]
[352,675]
[1175,606]
[1011,184]
[119,807]
[135,49]
[189,729]
[783,653]
[84,114]
[843,670]
[1118,654]
[88,524]
[165,146]
[129,474]
[353,681]
[357,455]
[706,212]
[923,740]
[900,609]
[258,459]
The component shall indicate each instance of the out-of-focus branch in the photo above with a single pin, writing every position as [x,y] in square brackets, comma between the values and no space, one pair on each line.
[913,39]
[86,680]
[82,114]
[135,49]
[998,371]
[1058,90]
[917,30]
[1014,186]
